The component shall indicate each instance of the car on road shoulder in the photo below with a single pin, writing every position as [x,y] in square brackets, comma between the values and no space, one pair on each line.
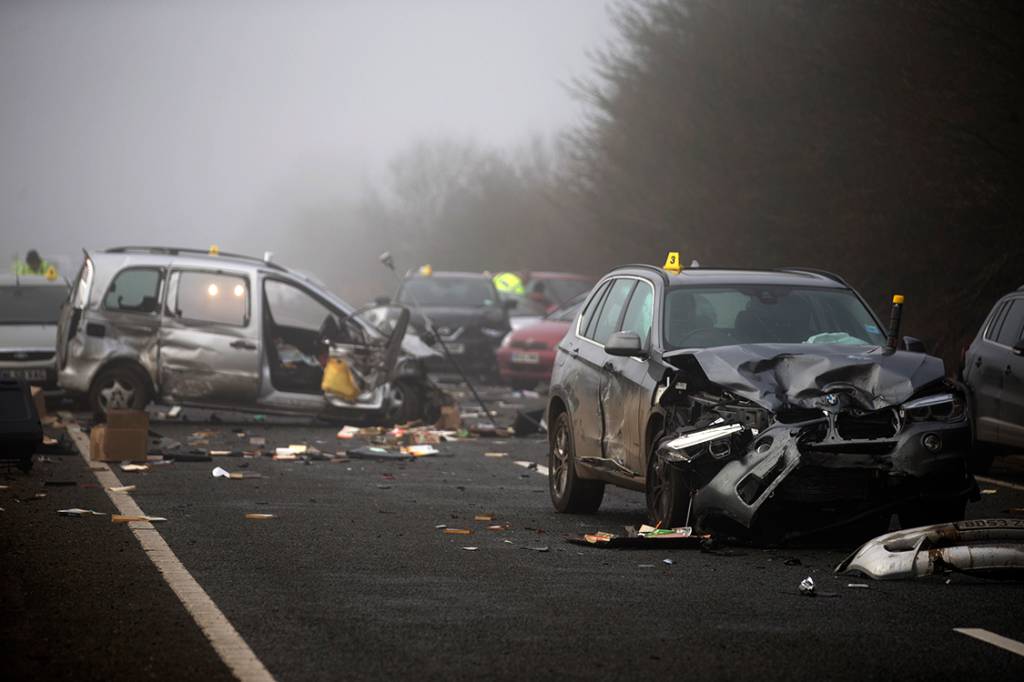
[29,308]
[994,373]
[223,331]
[759,403]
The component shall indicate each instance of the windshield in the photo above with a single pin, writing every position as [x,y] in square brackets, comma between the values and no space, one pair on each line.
[31,304]
[703,317]
[448,292]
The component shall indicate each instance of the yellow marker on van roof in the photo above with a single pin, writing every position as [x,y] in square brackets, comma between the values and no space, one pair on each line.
[214,250]
[897,298]
[672,263]
[51,273]
[426,270]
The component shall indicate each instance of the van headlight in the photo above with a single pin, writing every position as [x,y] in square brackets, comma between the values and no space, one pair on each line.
[943,407]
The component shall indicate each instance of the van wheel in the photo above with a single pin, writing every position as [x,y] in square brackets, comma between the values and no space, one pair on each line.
[405,403]
[569,493]
[668,497]
[124,387]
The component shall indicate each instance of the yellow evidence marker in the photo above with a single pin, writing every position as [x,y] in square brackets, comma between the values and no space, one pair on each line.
[672,263]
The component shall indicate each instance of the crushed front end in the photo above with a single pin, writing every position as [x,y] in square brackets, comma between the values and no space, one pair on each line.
[844,450]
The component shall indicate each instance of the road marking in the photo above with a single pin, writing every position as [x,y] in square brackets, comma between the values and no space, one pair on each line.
[996,481]
[1011,645]
[541,469]
[226,641]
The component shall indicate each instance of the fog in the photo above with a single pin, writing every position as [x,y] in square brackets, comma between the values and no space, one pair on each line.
[191,123]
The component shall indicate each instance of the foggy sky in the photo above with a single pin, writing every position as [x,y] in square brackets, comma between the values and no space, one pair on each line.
[190,123]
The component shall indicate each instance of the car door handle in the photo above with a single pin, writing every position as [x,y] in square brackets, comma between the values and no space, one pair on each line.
[610,367]
[575,352]
[240,344]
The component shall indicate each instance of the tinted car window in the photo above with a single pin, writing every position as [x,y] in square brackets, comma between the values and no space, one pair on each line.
[997,318]
[31,304]
[640,311]
[611,311]
[456,292]
[1009,332]
[560,290]
[702,317]
[213,297]
[591,310]
[136,290]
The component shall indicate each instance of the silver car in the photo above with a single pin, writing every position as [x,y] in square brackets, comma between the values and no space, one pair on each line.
[29,306]
[214,330]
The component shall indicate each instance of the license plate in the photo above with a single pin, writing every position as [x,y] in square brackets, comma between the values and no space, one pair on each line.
[24,374]
[526,358]
[455,348]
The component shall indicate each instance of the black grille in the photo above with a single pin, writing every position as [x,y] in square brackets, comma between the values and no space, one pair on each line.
[872,425]
[26,356]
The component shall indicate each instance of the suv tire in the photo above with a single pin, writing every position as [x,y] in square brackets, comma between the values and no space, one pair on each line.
[668,497]
[570,494]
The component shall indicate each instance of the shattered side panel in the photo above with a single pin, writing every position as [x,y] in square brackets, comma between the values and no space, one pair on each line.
[202,365]
[108,337]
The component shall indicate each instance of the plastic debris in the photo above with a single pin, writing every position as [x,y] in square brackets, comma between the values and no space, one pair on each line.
[484,517]
[457,531]
[989,491]
[219,453]
[471,549]
[134,467]
[496,455]
[348,432]
[862,586]
[807,587]
[668,562]
[122,489]
[420,450]
[285,454]
[119,518]
[219,472]
[257,440]
[174,411]
[252,516]
[75,511]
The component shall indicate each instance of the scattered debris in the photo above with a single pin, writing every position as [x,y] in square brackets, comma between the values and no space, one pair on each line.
[646,537]
[862,586]
[174,412]
[668,562]
[457,531]
[348,432]
[257,440]
[989,491]
[543,548]
[134,467]
[484,517]
[471,549]
[376,453]
[496,455]
[75,511]
[420,450]
[807,587]
[992,547]
[253,516]
[122,489]
[118,518]
[219,472]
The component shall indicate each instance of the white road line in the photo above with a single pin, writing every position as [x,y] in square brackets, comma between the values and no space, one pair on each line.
[996,481]
[541,469]
[1011,645]
[226,641]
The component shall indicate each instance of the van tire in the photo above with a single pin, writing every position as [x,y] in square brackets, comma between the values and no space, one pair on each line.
[122,386]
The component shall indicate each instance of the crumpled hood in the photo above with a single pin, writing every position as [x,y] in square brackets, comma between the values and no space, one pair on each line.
[777,376]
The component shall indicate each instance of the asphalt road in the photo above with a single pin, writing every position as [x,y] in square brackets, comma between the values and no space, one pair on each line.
[352,579]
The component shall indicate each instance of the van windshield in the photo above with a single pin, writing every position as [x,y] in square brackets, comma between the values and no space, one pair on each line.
[31,304]
[704,317]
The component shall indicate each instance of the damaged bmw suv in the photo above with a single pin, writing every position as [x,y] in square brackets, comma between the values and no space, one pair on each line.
[758,404]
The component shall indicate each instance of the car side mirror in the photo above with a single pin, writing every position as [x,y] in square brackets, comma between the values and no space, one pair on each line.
[914,345]
[1018,349]
[382,300]
[625,344]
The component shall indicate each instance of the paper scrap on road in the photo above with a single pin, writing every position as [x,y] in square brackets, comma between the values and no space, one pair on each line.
[258,517]
[989,491]
[75,511]
[174,411]
[471,549]
[119,518]
[348,432]
[257,440]
[495,455]
[420,450]
[134,467]
[457,531]
[121,488]
[484,517]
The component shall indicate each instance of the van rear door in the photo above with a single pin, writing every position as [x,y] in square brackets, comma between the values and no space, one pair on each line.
[71,312]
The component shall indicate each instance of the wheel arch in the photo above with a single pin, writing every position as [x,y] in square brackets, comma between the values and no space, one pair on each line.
[127,362]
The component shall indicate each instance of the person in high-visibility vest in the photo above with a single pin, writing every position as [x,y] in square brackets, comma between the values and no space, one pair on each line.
[32,265]
[509,283]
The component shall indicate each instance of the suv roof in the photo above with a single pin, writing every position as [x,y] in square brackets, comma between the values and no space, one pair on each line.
[711,276]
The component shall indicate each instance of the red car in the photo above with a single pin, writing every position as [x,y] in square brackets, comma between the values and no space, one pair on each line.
[527,354]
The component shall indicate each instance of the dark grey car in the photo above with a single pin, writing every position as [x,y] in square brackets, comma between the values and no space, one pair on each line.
[752,402]
[994,373]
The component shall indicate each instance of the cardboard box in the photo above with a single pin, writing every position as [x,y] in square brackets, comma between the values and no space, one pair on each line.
[40,400]
[125,437]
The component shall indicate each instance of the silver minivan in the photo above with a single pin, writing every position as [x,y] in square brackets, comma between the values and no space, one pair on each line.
[215,330]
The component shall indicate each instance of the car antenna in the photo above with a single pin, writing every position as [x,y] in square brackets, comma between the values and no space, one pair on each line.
[389,262]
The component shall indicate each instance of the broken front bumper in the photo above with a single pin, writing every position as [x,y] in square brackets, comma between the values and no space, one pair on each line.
[986,546]
[739,470]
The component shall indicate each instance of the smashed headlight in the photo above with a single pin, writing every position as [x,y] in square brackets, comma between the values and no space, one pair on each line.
[945,407]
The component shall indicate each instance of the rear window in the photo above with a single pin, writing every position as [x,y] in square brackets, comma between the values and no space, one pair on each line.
[1010,331]
[31,304]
